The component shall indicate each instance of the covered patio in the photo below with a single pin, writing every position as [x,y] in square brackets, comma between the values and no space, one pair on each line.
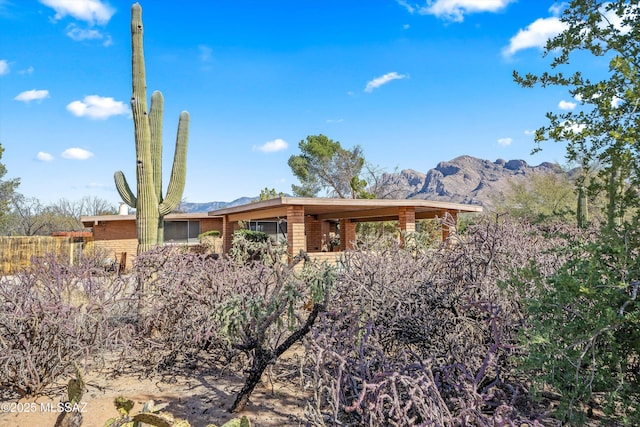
[309,220]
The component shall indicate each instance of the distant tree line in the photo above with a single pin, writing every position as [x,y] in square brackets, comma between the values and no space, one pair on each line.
[27,216]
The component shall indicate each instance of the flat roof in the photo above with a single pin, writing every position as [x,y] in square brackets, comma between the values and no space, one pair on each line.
[97,218]
[331,208]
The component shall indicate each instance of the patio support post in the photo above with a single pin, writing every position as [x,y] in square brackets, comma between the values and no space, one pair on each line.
[407,221]
[447,226]
[227,233]
[347,234]
[295,230]
[313,228]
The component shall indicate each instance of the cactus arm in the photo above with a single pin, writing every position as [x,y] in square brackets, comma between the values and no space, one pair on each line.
[124,190]
[155,127]
[179,169]
[147,209]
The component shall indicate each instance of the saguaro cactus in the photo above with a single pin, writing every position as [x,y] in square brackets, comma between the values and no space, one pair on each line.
[150,205]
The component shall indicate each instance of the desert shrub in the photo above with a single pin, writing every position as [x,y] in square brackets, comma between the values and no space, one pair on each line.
[210,233]
[427,337]
[583,337]
[249,245]
[226,308]
[52,315]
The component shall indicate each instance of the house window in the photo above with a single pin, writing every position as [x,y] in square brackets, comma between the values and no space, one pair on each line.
[277,230]
[181,231]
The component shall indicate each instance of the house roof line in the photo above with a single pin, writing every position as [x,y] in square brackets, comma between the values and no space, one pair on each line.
[337,205]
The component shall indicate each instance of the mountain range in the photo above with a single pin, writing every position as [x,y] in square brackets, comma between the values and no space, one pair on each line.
[465,179]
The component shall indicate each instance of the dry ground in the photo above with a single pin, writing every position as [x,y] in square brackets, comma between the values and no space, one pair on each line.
[201,397]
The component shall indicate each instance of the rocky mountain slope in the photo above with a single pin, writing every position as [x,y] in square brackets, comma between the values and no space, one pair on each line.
[465,179]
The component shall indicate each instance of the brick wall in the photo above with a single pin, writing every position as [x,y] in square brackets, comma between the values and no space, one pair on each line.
[295,230]
[119,237]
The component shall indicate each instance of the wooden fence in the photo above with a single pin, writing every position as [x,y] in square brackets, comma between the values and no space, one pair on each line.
[17,252]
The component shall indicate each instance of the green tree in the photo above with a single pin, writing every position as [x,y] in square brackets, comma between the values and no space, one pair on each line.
[584,319]
[324,165]
[604,128]
[544,196]
[269,193]
[7,193]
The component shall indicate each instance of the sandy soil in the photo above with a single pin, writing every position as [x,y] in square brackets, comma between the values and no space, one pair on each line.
[202,397]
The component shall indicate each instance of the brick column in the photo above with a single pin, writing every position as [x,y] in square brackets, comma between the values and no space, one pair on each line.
[407,221]
[347,234]
[313,228]
[295,230]
[228,227]
[447,230]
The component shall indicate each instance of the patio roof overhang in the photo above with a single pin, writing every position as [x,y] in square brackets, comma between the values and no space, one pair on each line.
[356,210]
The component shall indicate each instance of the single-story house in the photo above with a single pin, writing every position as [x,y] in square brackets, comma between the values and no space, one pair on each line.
[309,220]
[117,233]
[305,223]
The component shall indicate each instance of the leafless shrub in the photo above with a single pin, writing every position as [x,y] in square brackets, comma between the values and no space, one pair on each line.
[417,336]
[52,315]
[252,306]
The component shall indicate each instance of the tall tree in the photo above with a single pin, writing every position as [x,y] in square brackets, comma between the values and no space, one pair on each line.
[7,193]
[324,165]
[604,129]
[32,218]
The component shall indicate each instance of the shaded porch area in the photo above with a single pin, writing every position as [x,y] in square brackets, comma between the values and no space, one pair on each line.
[309,221]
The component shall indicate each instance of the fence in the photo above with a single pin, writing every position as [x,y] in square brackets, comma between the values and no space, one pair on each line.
[16,252]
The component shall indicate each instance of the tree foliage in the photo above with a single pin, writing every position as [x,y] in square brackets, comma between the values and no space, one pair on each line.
[269,193]
[540,198]
[7,193]
[604,129]
[582,337]
[323,165]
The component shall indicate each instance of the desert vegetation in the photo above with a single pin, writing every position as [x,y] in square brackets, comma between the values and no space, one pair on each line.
[506,323]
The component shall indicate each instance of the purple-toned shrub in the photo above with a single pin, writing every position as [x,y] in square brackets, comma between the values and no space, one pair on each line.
[423,336]
[52,315]
[197,305]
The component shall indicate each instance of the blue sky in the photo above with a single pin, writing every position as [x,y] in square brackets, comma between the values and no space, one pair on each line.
[412,82]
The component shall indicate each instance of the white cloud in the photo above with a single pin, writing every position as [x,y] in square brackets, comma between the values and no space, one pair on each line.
[566,105]
[205,53]
[44,157]
[90,11]
[406,26]
[80,34]
[411,9]
[273,146]
[28,70]
[529,132]
[97,107]
[335,120]
[557,8]
[454,10]
[616,102]
[610,17]
[535,35]
[4,67]
[32,95]
[76,154]
[379,81]
[505,141]
[573,127]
